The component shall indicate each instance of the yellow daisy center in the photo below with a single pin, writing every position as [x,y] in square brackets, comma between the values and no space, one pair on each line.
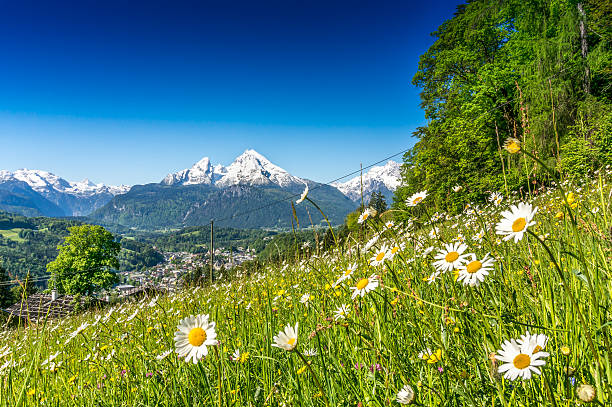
[519,224]
[395,249]
[197,336]
[451,256]
[291,341]
[537,349]
[416,200]
[474,266]
[348,272]
[365,215]
[362,283]
[521,361]
[380,256]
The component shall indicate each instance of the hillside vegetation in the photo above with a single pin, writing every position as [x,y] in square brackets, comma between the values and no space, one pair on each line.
[29,244]
[371,319]
[158,206]
[538,71]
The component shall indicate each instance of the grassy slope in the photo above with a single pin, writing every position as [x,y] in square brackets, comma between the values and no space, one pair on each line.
[366,357]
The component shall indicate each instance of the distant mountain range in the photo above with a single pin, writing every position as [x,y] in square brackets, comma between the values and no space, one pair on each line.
[384,179]
[40,193]
[251,186]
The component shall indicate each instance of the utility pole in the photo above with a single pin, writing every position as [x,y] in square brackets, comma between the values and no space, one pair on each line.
[212,249]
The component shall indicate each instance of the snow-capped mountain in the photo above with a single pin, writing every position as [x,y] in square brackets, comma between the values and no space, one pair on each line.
[65,197]
[202,172]
[251,186]
[384,179]
[250,168]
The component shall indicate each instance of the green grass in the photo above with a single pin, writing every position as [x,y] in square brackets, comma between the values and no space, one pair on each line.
[369,356]
[12,234]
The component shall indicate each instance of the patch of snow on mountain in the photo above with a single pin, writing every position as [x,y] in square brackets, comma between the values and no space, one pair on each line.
[384,178]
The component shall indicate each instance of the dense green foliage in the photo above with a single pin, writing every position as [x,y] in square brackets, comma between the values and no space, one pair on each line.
[86,261]
[196,239]
[136,255]
[6,296]
[29,244]
[538,71]
[158,206]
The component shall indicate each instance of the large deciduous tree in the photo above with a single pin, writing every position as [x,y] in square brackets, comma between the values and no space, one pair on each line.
[86,261]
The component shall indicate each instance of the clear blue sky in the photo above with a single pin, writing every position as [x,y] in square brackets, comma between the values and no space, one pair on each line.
[127,92]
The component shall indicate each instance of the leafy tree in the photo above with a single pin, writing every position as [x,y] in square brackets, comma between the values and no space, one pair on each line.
[86,261]
[536,71]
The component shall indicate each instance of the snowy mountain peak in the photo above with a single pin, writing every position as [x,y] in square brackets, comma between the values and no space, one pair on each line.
[252,168]
[249,168]
[385,178]
[201,172]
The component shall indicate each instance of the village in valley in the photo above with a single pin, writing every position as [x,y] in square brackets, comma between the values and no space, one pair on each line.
[169,274]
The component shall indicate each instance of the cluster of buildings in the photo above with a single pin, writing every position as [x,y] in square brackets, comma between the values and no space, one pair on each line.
[168,275]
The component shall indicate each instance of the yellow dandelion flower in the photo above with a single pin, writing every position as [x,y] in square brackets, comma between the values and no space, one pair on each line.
[512,145]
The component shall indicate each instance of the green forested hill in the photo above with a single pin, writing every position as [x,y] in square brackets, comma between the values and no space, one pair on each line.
[196,239]
[28,244]
[157,206]
[539,71]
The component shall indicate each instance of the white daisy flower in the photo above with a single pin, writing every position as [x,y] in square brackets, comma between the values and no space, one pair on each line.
[310,352]
[288,339]
[341,312]
[371,242]
[432,277]
[496,198]
[434,232]
[192,337]
[51,358]
[303,196]
[364,286]
[515,222]
[479,236]
[346,274]
[415,199]
[379,256]
[389,224]
[473,272]
[520,359]
[451,257]
[457,188]
[427,251]
[235,356]
[395,249]
[163,355]
[305,299]
[540,340]
[406,395]
[365,215]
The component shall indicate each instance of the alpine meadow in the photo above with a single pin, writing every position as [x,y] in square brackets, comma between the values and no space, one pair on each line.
[476,273]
